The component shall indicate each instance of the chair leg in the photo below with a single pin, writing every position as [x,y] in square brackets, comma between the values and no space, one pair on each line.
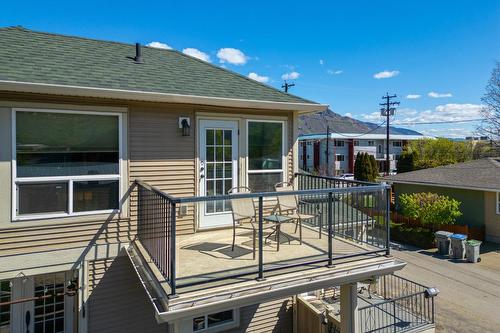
[300,231]
[234,238]
[296,226]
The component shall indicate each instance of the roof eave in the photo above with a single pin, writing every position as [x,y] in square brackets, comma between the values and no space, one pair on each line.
[68,90]
[463,187]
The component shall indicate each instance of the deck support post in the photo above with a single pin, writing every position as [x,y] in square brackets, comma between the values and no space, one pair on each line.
[388,221]
[330,230]
[349,322]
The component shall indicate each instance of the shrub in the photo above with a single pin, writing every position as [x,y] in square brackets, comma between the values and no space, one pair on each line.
[430,208]
[417,236]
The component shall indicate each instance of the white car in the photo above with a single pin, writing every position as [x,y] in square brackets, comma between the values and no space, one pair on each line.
[347,176]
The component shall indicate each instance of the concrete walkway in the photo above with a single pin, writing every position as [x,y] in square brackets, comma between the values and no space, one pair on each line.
[469,299]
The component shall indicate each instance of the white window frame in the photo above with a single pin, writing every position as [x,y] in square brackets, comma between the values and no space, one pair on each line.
[338,157]
[284,164]
[397,144]
[355,143]
[219,328]
[69,179]
[497,203]
[339,143]
[371,143]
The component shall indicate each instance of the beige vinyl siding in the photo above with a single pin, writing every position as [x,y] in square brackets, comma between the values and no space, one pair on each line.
[275,316]
[117,302]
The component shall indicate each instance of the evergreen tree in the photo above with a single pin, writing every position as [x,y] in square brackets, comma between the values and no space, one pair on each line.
[374,168]
[406,161]
[357,165]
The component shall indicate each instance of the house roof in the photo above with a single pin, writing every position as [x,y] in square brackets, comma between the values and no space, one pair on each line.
[29,58]
[482,174]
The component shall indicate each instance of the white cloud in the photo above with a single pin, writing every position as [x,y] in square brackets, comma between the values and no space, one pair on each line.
[196,54]
[159,45]
[413,96]
[441,113]
[332,72]
[386,74]
[290,76]
[321,62]
[232,56]
[258,78]
[434,94]
[348,114]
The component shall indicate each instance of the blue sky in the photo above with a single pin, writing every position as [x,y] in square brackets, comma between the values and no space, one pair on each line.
[441,51]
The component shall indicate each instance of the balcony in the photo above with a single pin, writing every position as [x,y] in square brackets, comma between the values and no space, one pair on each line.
[342,236]
[388,304]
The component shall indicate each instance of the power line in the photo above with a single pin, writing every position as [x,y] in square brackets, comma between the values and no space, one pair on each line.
[358,135]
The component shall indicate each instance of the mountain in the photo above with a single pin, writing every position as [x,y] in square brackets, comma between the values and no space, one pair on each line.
[317,123]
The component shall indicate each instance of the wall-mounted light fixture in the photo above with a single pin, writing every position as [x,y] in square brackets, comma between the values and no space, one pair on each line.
[185,125]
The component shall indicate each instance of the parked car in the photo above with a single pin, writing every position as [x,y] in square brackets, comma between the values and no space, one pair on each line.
[348,176]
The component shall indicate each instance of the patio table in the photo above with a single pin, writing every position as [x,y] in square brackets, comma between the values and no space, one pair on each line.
[277,220]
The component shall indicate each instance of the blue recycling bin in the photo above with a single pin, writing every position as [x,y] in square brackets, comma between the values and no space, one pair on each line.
[458,246]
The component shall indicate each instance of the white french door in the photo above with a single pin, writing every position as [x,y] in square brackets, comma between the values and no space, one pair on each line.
[44,314]
[218,150]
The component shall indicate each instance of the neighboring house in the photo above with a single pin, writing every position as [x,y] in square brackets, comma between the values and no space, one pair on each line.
[114,163]
[476,184]
[343,148]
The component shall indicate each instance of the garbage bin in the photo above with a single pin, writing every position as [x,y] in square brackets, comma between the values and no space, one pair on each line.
[443,242]
[458,246]
[472,248]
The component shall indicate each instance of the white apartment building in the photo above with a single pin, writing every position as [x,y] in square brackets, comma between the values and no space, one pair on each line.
[343,148]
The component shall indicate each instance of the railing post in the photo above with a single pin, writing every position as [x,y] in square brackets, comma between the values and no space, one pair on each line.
[330,229]
[394,315]
[388,222]
[173,258]
[261,242]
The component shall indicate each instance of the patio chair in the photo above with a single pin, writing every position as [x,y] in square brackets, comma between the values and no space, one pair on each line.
[288,205]
[244,215]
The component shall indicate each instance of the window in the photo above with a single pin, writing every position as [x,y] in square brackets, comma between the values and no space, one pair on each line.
[215,322]
[371,143]
[339,143]
[266,160]
[340,158]
[396,144]
[65,163]
[498,203]
[356,142]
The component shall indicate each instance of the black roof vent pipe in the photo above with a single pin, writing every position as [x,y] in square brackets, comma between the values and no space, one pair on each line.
[138,55]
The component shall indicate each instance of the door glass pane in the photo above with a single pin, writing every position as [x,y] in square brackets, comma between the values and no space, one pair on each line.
[95,195]
[43,198]
[265,145]
[64,144]
[49,311]
[5,296]
[210,137]
[218,178]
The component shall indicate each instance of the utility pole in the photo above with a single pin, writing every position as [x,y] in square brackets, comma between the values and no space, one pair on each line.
[387,111]
[328,151]
[287,85]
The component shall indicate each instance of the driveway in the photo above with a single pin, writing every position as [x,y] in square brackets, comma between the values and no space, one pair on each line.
[469,298]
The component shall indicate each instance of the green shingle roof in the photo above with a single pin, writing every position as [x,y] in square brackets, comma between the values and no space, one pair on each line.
[37,57]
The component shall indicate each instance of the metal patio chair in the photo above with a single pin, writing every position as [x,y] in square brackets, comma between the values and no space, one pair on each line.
[244,215]
[288,205]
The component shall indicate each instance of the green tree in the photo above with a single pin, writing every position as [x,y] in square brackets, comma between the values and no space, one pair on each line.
[406,161]
[374,167]
[430,208]
[357,166]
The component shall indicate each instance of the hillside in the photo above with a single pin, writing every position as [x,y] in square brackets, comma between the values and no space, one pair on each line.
[317,123]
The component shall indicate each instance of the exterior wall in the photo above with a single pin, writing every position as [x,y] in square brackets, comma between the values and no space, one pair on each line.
[117,302]
[491,219]
[472,206]
[275,316]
